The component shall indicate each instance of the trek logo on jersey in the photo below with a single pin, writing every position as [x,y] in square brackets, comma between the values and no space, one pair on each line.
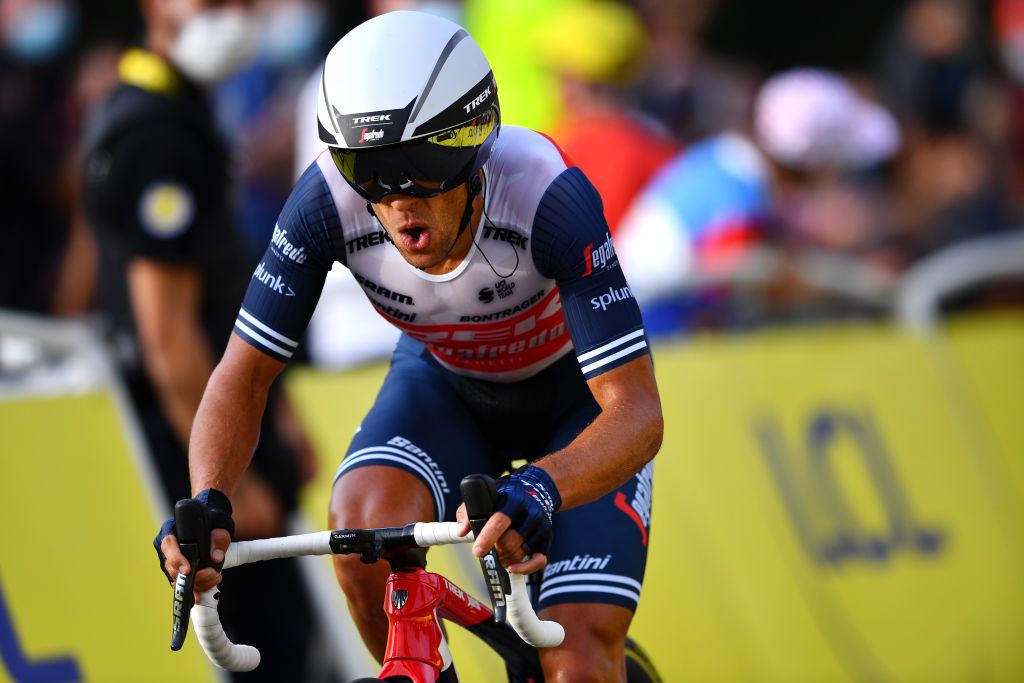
[478,100]
[382,119]
[596,258]
[370,135]
[280,240]
[380,290]
[274,282]
[505,235]
[613,295]
[365,241]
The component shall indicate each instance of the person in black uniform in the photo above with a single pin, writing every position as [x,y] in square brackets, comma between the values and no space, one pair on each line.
[156,193]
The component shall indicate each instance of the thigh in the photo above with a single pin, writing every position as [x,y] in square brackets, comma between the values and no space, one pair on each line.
[599,551]
[419,424]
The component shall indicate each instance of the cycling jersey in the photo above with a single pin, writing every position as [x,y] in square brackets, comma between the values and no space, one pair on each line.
[541,279]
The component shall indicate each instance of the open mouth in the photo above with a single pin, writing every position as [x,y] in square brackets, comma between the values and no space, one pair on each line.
[415,237]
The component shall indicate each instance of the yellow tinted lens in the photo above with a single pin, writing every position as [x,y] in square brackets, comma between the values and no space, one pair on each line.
[471,135]
[346,163]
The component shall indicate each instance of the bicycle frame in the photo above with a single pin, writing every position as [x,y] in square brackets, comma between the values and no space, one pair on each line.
[414,599]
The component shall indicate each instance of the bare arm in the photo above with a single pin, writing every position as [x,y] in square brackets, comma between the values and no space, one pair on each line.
[615,446]
[227,425]
[165,303]
[618,443]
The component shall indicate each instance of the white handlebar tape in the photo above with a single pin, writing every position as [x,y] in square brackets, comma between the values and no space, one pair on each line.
[439,533]
[220,650]
[244,552]
[525,621]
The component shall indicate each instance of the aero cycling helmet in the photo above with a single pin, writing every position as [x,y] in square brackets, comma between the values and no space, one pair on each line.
[407,104]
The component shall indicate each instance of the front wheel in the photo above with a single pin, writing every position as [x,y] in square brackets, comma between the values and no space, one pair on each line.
[639,667]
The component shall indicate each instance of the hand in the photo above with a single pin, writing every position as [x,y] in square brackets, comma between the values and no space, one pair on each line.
[218,517]
[521,523]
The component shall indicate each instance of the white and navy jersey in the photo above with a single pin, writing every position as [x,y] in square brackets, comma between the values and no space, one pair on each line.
[541,280]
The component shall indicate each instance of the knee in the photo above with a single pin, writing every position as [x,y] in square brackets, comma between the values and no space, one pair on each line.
[592,652]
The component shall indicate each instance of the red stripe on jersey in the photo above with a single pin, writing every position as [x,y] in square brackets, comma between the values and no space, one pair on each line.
[566,159]
[513,343]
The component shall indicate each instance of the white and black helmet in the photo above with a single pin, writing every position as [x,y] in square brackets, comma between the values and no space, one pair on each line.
[408,104]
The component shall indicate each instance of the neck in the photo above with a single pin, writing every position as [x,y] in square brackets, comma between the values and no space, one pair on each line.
[463,243]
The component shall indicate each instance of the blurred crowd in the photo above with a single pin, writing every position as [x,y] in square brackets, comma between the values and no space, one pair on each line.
[759,162]
[731,143]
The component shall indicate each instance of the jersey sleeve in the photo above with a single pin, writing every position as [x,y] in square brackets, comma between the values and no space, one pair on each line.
[288,280]
[160,194]
[572,245]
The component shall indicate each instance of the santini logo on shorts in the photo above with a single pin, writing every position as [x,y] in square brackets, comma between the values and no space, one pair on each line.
[603,301]
[596,258]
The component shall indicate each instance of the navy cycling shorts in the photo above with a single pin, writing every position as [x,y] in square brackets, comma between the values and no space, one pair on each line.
[441,426]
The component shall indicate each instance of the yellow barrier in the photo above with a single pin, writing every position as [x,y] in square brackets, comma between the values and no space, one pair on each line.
[830,505]
[80,596]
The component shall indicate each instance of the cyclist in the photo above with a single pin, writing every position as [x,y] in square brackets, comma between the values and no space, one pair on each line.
[489,250]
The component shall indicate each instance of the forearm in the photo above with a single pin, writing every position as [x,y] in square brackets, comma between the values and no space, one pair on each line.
[623,438]
[226,429]
[180,366]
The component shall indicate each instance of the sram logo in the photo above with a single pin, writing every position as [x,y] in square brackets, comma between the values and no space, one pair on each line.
[376,118]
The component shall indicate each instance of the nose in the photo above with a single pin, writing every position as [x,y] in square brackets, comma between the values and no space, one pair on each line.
[400,202]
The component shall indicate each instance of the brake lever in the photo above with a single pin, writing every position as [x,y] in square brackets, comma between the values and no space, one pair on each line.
[194,541]
[479,493]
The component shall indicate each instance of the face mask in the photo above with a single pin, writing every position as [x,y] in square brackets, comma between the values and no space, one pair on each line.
[40,31]
[214,44]
[292,32]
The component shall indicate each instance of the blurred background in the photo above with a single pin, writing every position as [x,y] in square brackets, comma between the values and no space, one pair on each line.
[819,209]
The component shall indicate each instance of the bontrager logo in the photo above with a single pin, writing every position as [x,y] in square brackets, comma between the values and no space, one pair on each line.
[275,282]
[610,297]
[280,240]
[370,135]
[498,315]
[478,100]
[376,118]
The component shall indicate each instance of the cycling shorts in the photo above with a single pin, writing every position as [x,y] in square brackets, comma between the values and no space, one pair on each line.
[440,427]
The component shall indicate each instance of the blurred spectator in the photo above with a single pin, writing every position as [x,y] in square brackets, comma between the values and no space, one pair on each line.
[35,135]
[707,207]
[693,93]
[594,46]
[256,106]
[950,182]
[156,187]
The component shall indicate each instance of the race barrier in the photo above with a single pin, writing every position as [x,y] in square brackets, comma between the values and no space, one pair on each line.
[834,504]
[81,598]
[830,504]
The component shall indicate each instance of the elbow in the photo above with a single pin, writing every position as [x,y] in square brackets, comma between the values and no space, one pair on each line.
[655,434]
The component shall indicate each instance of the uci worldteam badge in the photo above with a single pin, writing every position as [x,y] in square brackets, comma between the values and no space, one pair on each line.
[166,209]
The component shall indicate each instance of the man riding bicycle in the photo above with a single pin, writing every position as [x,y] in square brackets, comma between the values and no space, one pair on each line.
[522,339]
